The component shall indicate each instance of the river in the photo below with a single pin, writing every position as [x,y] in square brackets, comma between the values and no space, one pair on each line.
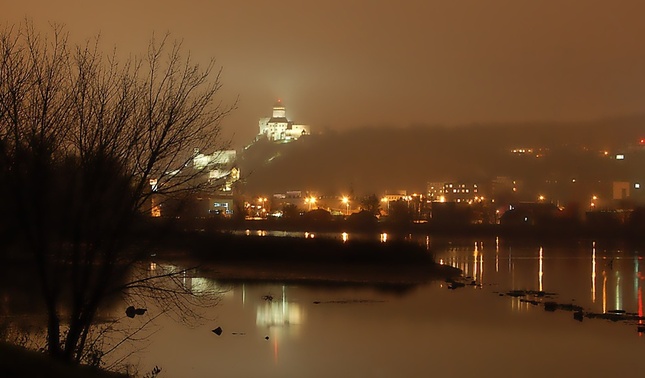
[475,330]
[274,330]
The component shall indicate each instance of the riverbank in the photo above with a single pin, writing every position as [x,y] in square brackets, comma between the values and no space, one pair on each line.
[20,362]
[552,232]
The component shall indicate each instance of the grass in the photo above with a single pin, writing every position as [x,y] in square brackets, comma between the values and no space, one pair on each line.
[16,362]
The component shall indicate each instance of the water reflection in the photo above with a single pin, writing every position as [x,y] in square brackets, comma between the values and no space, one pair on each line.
[514,267]
[593,272]
[541,271]
[563,266]
[189,279]
[278,312]
[340,331]
[347,331]
[586,272]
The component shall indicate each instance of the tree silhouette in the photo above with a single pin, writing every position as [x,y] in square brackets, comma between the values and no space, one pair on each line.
[371,204]
[400,214]
[81,137]
[290,211]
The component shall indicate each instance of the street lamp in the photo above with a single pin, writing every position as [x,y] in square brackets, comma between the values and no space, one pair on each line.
[262,201]
[310,201]
[593,201]
[346,202]
[387,201]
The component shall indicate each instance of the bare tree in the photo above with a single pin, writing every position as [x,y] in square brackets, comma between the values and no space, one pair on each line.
[82,134]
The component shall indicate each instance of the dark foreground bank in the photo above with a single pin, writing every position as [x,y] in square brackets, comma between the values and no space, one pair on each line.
[19,362]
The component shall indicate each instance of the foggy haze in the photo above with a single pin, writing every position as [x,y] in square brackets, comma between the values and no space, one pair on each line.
[122,190]
[340,65]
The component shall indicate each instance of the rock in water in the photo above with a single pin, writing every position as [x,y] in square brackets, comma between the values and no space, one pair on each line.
[578,315]
[131,311]
[218,331]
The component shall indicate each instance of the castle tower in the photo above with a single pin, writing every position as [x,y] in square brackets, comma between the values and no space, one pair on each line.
[279,128]
[279,111]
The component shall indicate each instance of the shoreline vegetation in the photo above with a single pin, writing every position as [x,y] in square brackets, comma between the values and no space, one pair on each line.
[16,361]
[235,258]
[555,230]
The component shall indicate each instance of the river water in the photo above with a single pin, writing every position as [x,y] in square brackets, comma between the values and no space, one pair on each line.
[477,330]
[275,330]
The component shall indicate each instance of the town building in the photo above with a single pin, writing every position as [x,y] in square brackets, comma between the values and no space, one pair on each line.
[461,192]
[220,166]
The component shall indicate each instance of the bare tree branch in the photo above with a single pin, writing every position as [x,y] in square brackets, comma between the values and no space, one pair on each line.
[81,136]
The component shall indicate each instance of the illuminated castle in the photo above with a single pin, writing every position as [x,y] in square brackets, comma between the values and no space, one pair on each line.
[278,128]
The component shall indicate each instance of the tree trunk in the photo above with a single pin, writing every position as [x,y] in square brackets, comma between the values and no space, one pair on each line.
[53,335]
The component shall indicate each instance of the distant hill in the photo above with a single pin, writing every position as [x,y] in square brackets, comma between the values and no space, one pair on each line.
[376,159]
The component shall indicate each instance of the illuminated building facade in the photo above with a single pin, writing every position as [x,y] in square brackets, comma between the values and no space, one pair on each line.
[395,196]
[219,165]
[278,128]
[220,173]
[453,192]
[435,192]
[461,192]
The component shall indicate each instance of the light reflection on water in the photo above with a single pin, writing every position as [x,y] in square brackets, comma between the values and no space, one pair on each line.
[296,330]
[278,312]
[599,280]
[299,330]
[614,274]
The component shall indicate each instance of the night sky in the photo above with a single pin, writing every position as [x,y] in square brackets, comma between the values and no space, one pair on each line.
[340,64]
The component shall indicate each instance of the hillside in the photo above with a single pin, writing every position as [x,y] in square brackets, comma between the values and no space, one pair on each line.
[375,160]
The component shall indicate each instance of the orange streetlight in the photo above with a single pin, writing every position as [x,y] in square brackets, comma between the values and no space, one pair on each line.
[593,201]
[262,201]
[310,201]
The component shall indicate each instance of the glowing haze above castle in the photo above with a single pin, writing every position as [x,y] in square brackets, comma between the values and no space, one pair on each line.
[278,128]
